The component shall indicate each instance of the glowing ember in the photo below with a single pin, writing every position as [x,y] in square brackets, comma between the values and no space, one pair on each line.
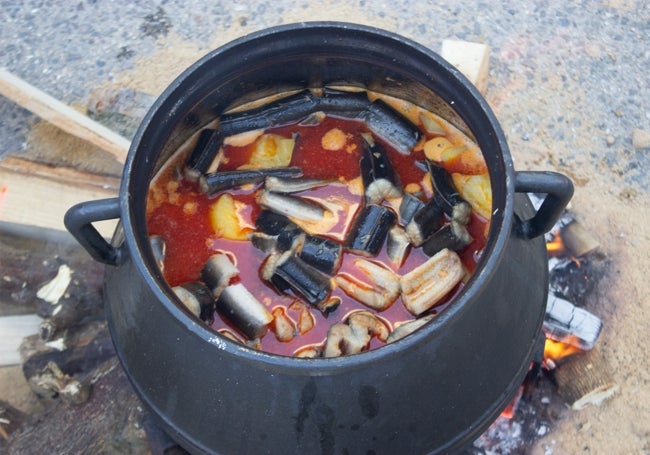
[509,411]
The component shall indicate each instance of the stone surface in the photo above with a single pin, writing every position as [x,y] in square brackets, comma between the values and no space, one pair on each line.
[640,139]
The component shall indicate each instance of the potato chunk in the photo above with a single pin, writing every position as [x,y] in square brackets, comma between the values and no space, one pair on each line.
[271,150]
[476,190]
[226,219]
[433,148]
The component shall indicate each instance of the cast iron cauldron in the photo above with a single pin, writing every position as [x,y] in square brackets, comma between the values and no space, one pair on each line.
[434,391]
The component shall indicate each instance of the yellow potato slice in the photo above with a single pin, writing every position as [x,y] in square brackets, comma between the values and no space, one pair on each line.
[476,190]
[271,150]
[226,220]
[433,148]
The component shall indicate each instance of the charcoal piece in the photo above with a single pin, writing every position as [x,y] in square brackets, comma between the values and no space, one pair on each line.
[575,280]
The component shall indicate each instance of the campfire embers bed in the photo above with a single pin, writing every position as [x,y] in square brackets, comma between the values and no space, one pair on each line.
[569,370]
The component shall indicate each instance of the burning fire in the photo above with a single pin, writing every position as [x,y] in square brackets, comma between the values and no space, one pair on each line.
[557,350]
[555,247]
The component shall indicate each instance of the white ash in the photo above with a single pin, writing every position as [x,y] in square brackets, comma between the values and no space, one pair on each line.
[53,290]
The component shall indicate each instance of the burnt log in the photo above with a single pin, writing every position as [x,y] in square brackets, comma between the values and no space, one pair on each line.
[570,324]
[29,264]
[585,379]
[578,240]
[10,420]
[68,373]
[109,422]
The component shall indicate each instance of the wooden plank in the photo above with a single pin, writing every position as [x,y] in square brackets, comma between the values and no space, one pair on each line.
[471,59]
[13,329]
[60,173]
[585,379]
[61,115]
[28,201]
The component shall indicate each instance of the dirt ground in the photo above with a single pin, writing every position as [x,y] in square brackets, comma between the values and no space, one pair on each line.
[569,86]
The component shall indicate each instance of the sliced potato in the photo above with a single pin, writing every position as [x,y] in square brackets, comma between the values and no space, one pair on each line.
[451,153]
[476,190]
[226,220]
[271,150]
[463,160]
[243,139]
[433,148]
[430,124]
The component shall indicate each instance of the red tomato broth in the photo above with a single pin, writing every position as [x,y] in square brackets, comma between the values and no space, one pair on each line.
[190,239]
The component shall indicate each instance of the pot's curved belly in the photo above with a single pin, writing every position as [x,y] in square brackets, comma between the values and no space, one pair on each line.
[437,395]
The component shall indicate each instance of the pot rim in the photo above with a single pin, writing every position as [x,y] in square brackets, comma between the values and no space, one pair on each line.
[501,220]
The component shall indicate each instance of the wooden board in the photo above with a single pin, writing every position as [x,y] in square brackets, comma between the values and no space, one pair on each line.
[471,59]
[12,331]
[62,115]
[37,196]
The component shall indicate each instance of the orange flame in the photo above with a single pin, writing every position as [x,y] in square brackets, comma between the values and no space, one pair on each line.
[555,247]
[557,350]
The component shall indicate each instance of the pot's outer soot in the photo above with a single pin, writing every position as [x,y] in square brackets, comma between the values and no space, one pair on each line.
[433,391]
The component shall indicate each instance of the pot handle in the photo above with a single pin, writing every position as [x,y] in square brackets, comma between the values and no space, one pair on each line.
[558,189]
[78,220]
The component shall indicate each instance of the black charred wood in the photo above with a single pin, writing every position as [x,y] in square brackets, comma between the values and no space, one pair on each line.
[68,313]
[576,280]
[66,373]
[108,422]
[570,324]
[77,360]
[27,264]
[11,419]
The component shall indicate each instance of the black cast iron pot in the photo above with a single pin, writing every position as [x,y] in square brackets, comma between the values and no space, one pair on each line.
[433,391]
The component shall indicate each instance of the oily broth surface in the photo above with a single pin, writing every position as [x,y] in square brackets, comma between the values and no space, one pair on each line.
[179,212]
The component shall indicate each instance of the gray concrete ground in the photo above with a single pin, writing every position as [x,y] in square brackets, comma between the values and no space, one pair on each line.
[568,81]
[579,68]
